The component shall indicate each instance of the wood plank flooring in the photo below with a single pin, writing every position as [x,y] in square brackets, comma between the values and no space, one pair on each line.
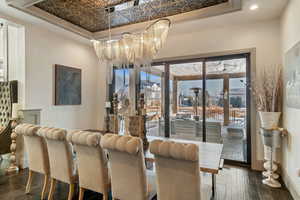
[232,184]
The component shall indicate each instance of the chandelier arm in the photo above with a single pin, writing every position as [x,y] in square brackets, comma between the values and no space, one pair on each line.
[109,31]
[161,19]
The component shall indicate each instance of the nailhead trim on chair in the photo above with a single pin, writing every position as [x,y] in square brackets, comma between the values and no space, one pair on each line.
[84,138]
[27,129]
[5,104]
[175,150]
[52,133]
[129,144]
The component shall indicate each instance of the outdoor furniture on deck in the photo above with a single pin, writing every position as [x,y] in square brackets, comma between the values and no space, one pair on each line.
[191,129]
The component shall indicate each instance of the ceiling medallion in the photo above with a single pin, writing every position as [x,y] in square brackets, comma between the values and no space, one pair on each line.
[134,48]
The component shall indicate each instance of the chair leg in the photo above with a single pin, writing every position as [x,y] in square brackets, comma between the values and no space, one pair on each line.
[29,181]
[71,191]
[52,189]
[45,187]
[81,193]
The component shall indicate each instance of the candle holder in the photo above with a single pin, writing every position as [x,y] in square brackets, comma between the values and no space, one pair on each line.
[107,107]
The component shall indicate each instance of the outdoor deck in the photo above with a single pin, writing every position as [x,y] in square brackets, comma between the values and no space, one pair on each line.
[233,138]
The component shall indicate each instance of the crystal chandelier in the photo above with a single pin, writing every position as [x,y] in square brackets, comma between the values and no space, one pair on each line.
[134,48]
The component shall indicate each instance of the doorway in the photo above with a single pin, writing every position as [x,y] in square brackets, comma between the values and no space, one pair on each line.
[205,99]
[208,100]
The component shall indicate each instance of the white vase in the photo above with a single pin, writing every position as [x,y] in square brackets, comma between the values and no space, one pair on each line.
[269,120]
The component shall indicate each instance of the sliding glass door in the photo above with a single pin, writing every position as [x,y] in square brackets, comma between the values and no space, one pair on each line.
[151,87]
[186,97]
[208,101]
[226,108]
[201,99]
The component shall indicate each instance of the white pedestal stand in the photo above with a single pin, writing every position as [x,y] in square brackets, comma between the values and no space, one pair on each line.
[267,164]
[269,120]
[271,180]
[272,139]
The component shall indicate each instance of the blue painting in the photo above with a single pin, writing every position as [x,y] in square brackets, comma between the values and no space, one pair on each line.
[67,85]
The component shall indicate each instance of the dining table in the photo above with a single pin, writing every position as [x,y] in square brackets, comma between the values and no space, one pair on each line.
[210,156]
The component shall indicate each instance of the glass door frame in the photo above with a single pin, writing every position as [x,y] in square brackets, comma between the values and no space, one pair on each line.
[204,60]
[166,99]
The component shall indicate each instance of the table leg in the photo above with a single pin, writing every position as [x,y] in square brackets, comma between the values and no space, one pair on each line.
[213,176]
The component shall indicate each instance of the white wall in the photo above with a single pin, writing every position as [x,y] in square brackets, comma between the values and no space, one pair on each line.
[16,57]
[43,50]
[290,27]
[212,36]
[239,30]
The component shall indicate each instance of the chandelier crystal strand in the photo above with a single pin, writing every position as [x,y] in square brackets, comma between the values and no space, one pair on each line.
[136,49]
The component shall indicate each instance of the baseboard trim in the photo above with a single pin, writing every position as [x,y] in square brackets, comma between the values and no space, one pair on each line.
[289,184]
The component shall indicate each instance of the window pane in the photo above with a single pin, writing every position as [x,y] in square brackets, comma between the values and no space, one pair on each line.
[151,86]
[122,83]
[186,101]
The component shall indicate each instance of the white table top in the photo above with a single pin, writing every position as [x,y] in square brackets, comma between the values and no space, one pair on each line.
[209,154]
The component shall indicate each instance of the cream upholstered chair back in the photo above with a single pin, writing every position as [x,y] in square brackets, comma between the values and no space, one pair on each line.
[177,170]
[36,148]
[60,154]
[91,160]
[128,171]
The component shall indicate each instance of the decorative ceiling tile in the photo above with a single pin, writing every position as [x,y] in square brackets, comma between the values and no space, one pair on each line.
[93,16]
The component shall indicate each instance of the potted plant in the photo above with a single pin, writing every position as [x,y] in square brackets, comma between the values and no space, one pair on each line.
[267,91]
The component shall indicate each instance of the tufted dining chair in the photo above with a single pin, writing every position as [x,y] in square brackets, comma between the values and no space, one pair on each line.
[177,170]
[62,167]
[8,96]
[92,162]
[37,154]
[129,178]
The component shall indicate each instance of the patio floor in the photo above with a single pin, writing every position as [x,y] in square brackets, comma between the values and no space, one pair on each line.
[233,139]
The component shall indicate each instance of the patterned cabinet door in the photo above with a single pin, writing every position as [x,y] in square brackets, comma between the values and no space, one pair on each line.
[113,124]
[135,124]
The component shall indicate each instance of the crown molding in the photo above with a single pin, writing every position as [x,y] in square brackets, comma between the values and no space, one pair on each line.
[28,7]
[23,3]
[230,6]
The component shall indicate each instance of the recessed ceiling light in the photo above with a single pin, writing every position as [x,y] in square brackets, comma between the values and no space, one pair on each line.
[254,7]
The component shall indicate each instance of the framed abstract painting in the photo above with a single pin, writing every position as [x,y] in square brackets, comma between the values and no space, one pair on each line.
[67,85]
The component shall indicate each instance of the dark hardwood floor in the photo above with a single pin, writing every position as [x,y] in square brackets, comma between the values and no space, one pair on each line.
[232,184]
